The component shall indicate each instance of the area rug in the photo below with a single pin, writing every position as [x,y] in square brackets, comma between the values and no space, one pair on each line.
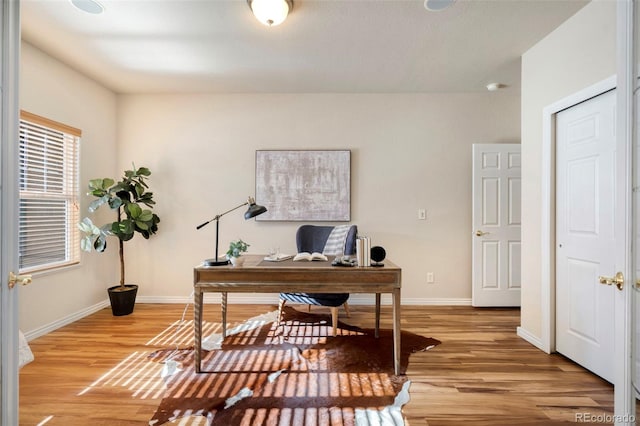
[291,374]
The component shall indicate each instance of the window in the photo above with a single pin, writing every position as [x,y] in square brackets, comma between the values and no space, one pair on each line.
[49,235]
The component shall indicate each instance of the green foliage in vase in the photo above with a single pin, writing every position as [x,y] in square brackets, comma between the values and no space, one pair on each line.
[236,248]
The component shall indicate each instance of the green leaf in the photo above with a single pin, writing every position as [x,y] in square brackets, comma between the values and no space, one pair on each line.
[106,229]
[100,184]
[95,204]
[126,237]
[144,171]
[115,202]
[122,228]
[86,226]
[86,243]
[133,210]
[139,190]
[146,215]
[142,225]
[100,244]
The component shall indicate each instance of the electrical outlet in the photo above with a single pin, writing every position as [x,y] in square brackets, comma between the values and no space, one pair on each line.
[430,278]
[422,214]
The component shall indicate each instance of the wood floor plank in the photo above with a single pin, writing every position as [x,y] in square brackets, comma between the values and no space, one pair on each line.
[94,371]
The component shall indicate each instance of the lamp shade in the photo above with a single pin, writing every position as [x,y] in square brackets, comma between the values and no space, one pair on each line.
[254,210]
[270,12]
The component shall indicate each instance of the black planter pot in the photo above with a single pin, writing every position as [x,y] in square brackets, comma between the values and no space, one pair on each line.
[122,301]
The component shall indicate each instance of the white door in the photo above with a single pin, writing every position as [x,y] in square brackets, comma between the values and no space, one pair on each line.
[496,225]
[9,63]
[585,232]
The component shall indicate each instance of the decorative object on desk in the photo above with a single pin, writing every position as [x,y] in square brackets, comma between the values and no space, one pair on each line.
[253,211]
[304,185]
[278,257]
[344,261]
[236,248]
[363,251]
[125,197]
[305,255]
[377,255]
[255,369]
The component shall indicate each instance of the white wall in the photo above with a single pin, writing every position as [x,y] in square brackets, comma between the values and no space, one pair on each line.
[579,53]
[408,152]
[53,90]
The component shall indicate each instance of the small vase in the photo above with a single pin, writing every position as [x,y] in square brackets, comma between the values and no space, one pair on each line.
[237,261]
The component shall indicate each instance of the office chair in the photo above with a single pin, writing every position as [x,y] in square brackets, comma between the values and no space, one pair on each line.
[331,241]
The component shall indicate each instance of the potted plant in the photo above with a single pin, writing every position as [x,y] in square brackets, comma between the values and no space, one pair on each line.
[236,248]
[126,197]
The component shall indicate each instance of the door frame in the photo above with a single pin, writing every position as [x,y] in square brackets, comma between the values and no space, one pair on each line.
[548,225]
[623,391]
[9,118]
[592,351]
[624,395]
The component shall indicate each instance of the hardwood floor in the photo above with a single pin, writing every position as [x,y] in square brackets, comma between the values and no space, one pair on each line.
[92,372]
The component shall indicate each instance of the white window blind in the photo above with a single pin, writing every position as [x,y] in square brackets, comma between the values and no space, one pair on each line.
[49,235]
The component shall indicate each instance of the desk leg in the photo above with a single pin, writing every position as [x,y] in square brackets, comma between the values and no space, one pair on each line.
[223,306]
[197,328]
[377,332]
[396,331]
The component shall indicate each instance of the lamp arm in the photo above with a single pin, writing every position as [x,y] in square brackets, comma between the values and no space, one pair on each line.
[229,211]
[218,216]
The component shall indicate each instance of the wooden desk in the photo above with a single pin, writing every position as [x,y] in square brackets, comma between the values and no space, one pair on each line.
[259,276]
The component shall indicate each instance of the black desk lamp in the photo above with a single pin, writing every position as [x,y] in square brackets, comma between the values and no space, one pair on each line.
[253,211]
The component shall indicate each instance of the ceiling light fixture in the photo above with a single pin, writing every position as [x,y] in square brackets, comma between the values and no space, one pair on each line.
[492,87]
[89,6]
[437,5]
[271,12]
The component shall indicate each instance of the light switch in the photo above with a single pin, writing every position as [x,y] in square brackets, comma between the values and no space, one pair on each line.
[422,214]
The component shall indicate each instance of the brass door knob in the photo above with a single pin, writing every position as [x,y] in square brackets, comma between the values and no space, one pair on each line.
[480,233]
[22,279]
[618,280]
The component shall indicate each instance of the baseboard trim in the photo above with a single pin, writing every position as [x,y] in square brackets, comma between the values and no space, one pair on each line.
[534,340]
[252,299]
[48,328]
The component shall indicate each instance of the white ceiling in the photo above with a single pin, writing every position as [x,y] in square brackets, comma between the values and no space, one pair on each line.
[343,46]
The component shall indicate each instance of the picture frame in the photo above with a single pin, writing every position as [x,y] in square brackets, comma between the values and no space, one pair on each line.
[304,185]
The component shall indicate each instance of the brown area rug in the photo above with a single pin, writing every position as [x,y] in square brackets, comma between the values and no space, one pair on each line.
[293,374]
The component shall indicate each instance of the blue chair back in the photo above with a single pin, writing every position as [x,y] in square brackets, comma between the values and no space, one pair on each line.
[312,238]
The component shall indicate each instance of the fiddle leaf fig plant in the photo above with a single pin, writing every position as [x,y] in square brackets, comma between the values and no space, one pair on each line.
[125,197]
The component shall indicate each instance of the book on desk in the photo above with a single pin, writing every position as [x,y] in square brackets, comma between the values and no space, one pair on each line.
[306,256]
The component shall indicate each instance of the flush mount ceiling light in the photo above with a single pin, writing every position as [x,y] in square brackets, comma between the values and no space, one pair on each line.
[436,5]
[89,6]
[492,87]
[271,12]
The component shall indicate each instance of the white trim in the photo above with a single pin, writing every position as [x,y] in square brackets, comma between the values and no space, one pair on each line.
[436,302]
[48,328]
[240,299]
[547,225]
[9,87]
[624,395]
[530,337]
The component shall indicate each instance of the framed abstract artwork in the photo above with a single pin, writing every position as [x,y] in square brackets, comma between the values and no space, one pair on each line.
[304,185]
